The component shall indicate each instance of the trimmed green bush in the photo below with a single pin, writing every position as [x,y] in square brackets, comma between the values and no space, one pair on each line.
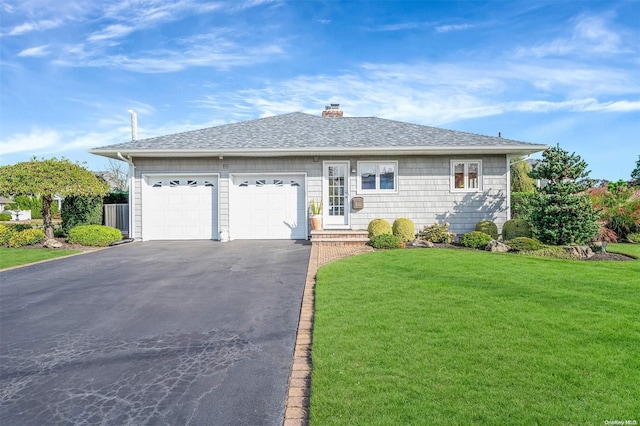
[404,229]
[437,233]
[379,227]
[5,234]
[515,228]
[475,239]
[385,241]
[524,244]
[27,237]
[94,235]
[4,217]
[488,228]
[556,252]
[635,238]
[81,211]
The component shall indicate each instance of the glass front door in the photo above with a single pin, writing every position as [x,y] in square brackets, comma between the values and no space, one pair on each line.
[335,190]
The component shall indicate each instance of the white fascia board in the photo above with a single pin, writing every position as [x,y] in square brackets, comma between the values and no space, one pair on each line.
[330,151]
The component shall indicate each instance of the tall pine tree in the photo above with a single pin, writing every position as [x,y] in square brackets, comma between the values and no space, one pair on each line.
[561,211]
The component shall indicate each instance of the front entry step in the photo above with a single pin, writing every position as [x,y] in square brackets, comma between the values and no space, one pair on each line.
[340,237]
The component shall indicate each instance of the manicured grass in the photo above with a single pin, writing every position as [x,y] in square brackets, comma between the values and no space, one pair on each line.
[436,336]
[21,256]
[632,250]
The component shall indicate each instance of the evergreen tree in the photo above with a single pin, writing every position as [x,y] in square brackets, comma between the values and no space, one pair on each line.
[520,180]
[561,211]
[635,174]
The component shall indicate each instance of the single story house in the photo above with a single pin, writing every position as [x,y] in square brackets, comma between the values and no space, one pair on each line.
[256,179]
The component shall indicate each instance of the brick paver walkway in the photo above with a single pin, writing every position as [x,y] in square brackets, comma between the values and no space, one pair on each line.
[297,406]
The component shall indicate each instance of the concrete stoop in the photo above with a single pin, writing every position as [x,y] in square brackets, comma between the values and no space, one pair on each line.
[340,237]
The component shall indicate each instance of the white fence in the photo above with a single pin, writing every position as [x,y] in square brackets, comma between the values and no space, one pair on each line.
[117,216]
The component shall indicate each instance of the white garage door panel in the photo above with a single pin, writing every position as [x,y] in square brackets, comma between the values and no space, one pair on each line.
[268,207]
[180,207]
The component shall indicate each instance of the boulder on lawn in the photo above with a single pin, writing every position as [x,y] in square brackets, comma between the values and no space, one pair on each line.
[494,245]
[421,243]
[52,243]
[579,252]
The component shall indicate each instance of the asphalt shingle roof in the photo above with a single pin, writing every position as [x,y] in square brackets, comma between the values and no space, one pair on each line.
[299,130]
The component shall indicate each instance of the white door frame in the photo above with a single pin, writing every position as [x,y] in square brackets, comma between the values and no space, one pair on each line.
[330,220]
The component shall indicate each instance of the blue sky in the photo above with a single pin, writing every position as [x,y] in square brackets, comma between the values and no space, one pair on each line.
[548,72]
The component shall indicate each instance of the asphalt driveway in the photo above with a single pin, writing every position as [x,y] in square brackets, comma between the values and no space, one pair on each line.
[174,333]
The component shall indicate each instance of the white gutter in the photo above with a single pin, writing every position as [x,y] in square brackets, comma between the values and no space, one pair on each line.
[132,189]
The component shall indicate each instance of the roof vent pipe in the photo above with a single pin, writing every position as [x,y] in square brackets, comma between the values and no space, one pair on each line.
[134,125]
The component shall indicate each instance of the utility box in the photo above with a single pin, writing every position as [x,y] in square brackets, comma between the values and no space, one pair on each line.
[357,203]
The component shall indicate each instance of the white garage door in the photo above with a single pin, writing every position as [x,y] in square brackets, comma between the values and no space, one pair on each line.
[180,207]
[267,207]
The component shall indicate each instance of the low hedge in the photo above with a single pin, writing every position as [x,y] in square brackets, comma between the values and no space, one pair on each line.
[27,237]
[5,234]
[5,217]
[94,235]
[488,228]
[524,244]
[386,241]
[475,239]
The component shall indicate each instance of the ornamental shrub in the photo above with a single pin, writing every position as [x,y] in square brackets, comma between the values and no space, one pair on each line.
[379,227]
[475,239]
[386,241]
[81,210]
[634,238]
[404,229]
[94,235]
[437,233]
[515,228]
[17,227]
[27,237]
[5,217]
[488,228]
[5,234]
[524,244]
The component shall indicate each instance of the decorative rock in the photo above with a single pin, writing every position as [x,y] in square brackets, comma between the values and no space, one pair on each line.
[497,246]
[51,243]
[421,243]
[579,252]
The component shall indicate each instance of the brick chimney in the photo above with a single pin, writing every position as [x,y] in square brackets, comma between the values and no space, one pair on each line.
[332,110]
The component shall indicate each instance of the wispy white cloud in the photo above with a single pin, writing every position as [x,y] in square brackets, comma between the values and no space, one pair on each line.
[37,51]
[450,28]
[436,93]
[33,142]
[111,31]
[590,34]
[31,26]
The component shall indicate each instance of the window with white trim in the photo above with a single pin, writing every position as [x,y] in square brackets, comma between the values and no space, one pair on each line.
[377,177]
[466,175]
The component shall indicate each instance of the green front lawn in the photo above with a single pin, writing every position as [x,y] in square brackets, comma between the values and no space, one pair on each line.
[632,250]
[435,336]
[21,256]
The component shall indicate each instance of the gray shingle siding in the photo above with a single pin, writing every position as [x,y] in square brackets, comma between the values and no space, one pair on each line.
[423,195]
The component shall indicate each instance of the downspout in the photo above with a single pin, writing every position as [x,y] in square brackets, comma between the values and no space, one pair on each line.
[132,189]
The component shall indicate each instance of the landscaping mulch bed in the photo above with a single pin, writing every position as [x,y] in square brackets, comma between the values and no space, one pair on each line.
[610,256]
